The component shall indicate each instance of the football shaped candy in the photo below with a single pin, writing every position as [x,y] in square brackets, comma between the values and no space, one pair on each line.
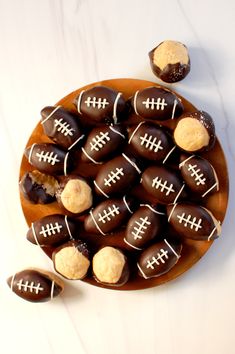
[156,103]
[101,104]
[193,221]
[163,183]
[49,158]
[144,225]
[195,132]
[116,176]
[38,187]
[159,258]
[74,194]
[199,175]
[35,285]
[110,267]
[71,260]
[170,61]
[108,215]
[150,141]
[102,142]
[61,126]
[52,230]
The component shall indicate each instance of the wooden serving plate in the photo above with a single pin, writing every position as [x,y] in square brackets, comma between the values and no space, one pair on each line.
[192,250]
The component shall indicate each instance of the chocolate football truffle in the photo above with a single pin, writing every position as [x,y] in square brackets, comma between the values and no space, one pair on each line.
[49,158]
[71,260]
[74,194]
[52,230]
[199,175]
[61,126]
[193,221]
[164,184]
[145,225]
[159,258]
[156,103]
[101,104]
[38,187]
[109,215]
[102,142]
[116,176]
[110,266]
[195,132]
[150,141]
[35,285]
[170,61]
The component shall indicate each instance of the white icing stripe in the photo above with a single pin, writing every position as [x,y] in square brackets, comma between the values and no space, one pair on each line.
[141,271]
[76,141]
[98,187]
[34,234]
[79,101]
[52,289]
[116,131]
[132,135]
[136,248]
[211,234]
[169,153]
[96,225]
[90,158]
[183,162]
[135,99]
[50,115]
[131,162]
[67,225]
[127,206]
[180,191]
[115,107]
[30,153]
[65,163]
[172,210]
[214,185]
[174,107]
[151,208]
[167,243]
[12,281]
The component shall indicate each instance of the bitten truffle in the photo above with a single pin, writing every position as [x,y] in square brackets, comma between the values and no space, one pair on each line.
[71,260]
[195,132]
[74,194]
[38,187]
[170,61]
[110,266]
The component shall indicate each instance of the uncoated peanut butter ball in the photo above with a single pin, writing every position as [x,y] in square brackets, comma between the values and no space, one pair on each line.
[170,61]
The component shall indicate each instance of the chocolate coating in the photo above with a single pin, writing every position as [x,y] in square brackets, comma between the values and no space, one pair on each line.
[145,225]
[110,267]
[52,230]
[193,221]
[150,141]
[101,104]
[35,286]
[61,126]
[195,136]
[172,71]
[116,176]
[199,175]
[71,259]
[159,258]
[102,142]
[38,187]
[109,215]
[49,158]
[164,184]
[156,103]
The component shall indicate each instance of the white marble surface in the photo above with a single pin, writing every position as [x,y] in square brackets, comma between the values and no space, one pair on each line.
[48,48]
